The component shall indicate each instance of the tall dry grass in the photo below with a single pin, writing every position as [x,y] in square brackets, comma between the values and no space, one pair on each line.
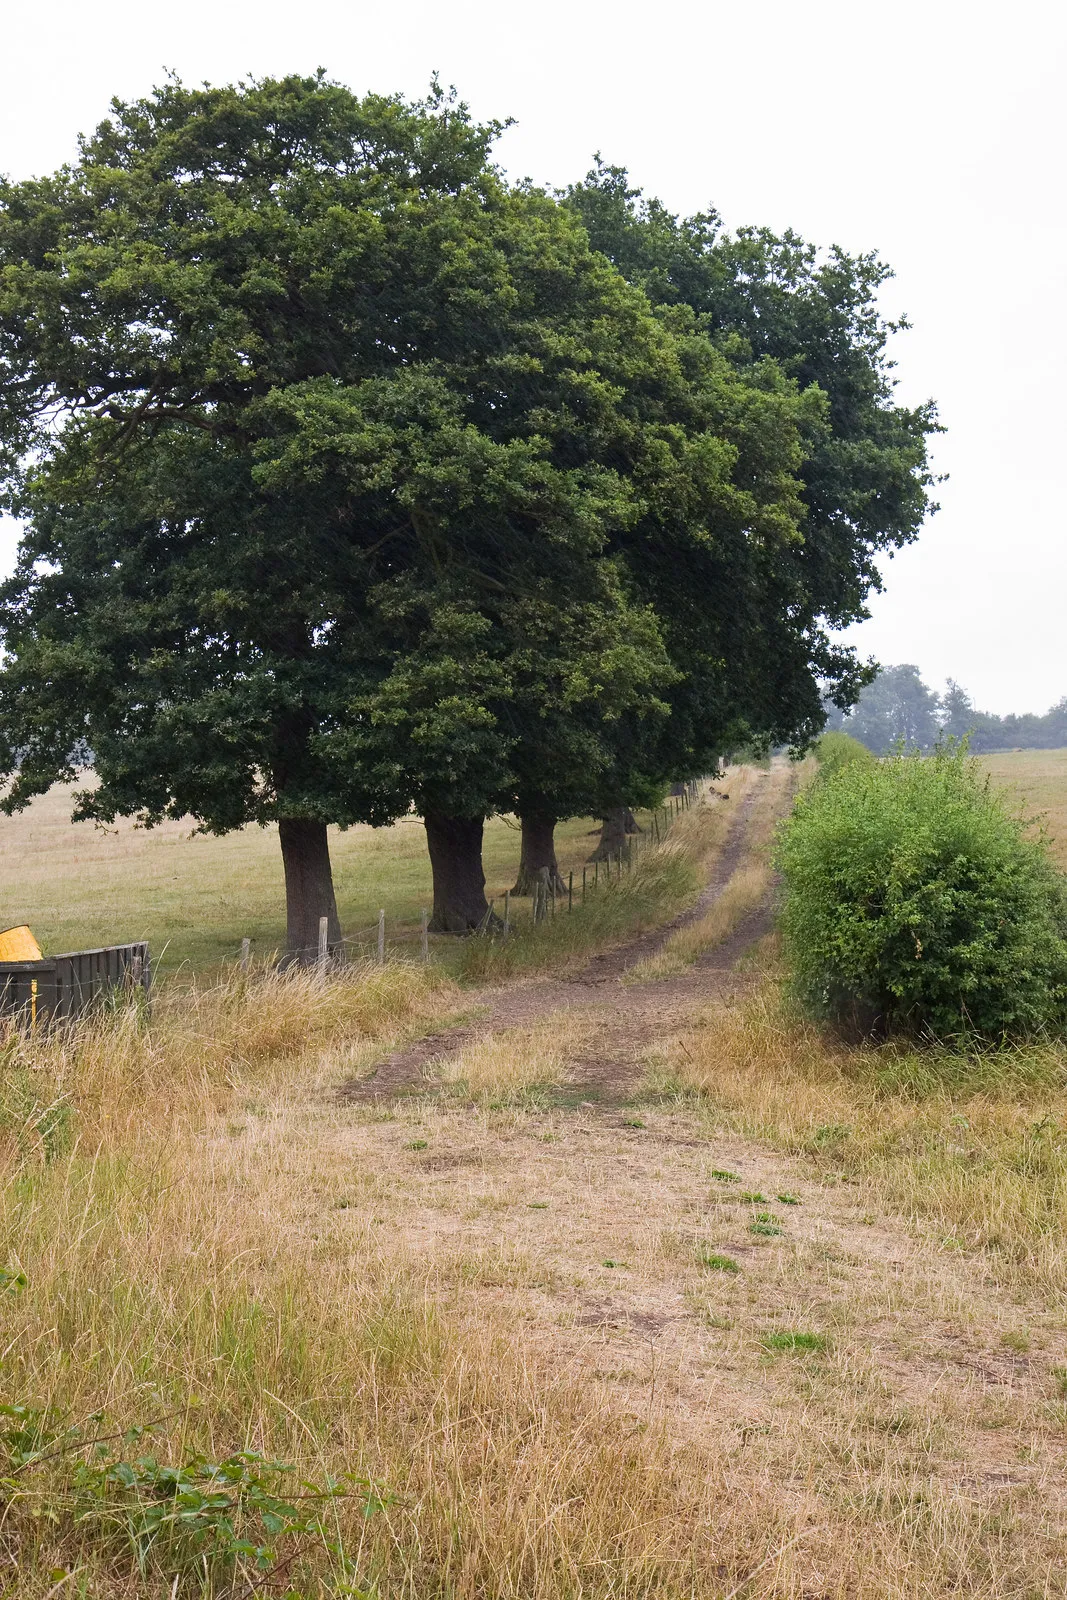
[129,1070]
[217,1294]
[746,888]
[973,1148]
[662,880]
[195,1251]
[213,1279]
[184,1258]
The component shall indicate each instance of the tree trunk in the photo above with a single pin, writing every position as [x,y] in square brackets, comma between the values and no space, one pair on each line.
[616,825]
[308,888]
[455,844]
[538,851]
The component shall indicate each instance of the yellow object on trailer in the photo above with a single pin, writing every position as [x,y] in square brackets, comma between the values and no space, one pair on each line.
[18,944]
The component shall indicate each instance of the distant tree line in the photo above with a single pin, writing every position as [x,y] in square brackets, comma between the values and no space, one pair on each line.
[897,707]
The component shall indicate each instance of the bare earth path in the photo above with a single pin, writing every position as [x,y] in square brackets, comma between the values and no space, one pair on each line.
[909,1446]
[628,1015]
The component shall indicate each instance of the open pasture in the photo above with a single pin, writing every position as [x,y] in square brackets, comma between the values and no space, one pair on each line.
[1037,781]
[194,897]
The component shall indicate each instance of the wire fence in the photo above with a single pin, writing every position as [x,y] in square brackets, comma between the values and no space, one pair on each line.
[372,942]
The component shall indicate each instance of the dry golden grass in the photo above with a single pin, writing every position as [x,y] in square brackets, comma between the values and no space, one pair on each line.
[508,1319]
[975,1147]
[508,1065]
[746,889]
[1037,782]
[512,1312]
[127,1075]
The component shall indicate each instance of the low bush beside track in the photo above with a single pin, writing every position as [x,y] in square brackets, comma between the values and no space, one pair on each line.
[915,902]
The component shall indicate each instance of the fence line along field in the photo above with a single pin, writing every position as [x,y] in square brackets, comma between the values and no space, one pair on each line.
[194,897]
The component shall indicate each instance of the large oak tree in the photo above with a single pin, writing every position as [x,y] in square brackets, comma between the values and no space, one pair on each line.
[319,436]
[753,641]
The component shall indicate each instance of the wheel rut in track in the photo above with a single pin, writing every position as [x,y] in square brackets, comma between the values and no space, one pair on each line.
[629,1016]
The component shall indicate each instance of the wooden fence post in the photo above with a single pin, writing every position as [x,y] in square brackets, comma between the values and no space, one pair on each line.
[324,946]
[507,911]
[570,891]
[381,936]
[424,936]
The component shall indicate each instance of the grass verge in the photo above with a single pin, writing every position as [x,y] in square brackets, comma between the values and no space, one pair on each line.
[972,1147]
[665,878]
[745,890]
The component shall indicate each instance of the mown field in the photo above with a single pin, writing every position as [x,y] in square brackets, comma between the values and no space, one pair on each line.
[195,897]
[1037,782]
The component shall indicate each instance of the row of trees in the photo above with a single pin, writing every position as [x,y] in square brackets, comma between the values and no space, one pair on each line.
[354,479]
[898,708]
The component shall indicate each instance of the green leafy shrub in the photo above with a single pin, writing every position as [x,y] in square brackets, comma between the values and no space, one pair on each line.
[915,902]
[836,750]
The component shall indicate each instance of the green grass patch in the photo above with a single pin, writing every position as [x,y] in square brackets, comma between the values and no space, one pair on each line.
[790,1341]
[715,1261]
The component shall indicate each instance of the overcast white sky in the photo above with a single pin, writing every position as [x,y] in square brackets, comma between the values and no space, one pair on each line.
[934,132]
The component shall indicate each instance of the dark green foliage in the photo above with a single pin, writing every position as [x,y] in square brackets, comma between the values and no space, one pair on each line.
[324,524]
[916,903]
[374,484]
[354,478]
[758,297]
[346,426]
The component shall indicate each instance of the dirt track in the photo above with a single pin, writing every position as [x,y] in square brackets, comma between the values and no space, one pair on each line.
[629,1014]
